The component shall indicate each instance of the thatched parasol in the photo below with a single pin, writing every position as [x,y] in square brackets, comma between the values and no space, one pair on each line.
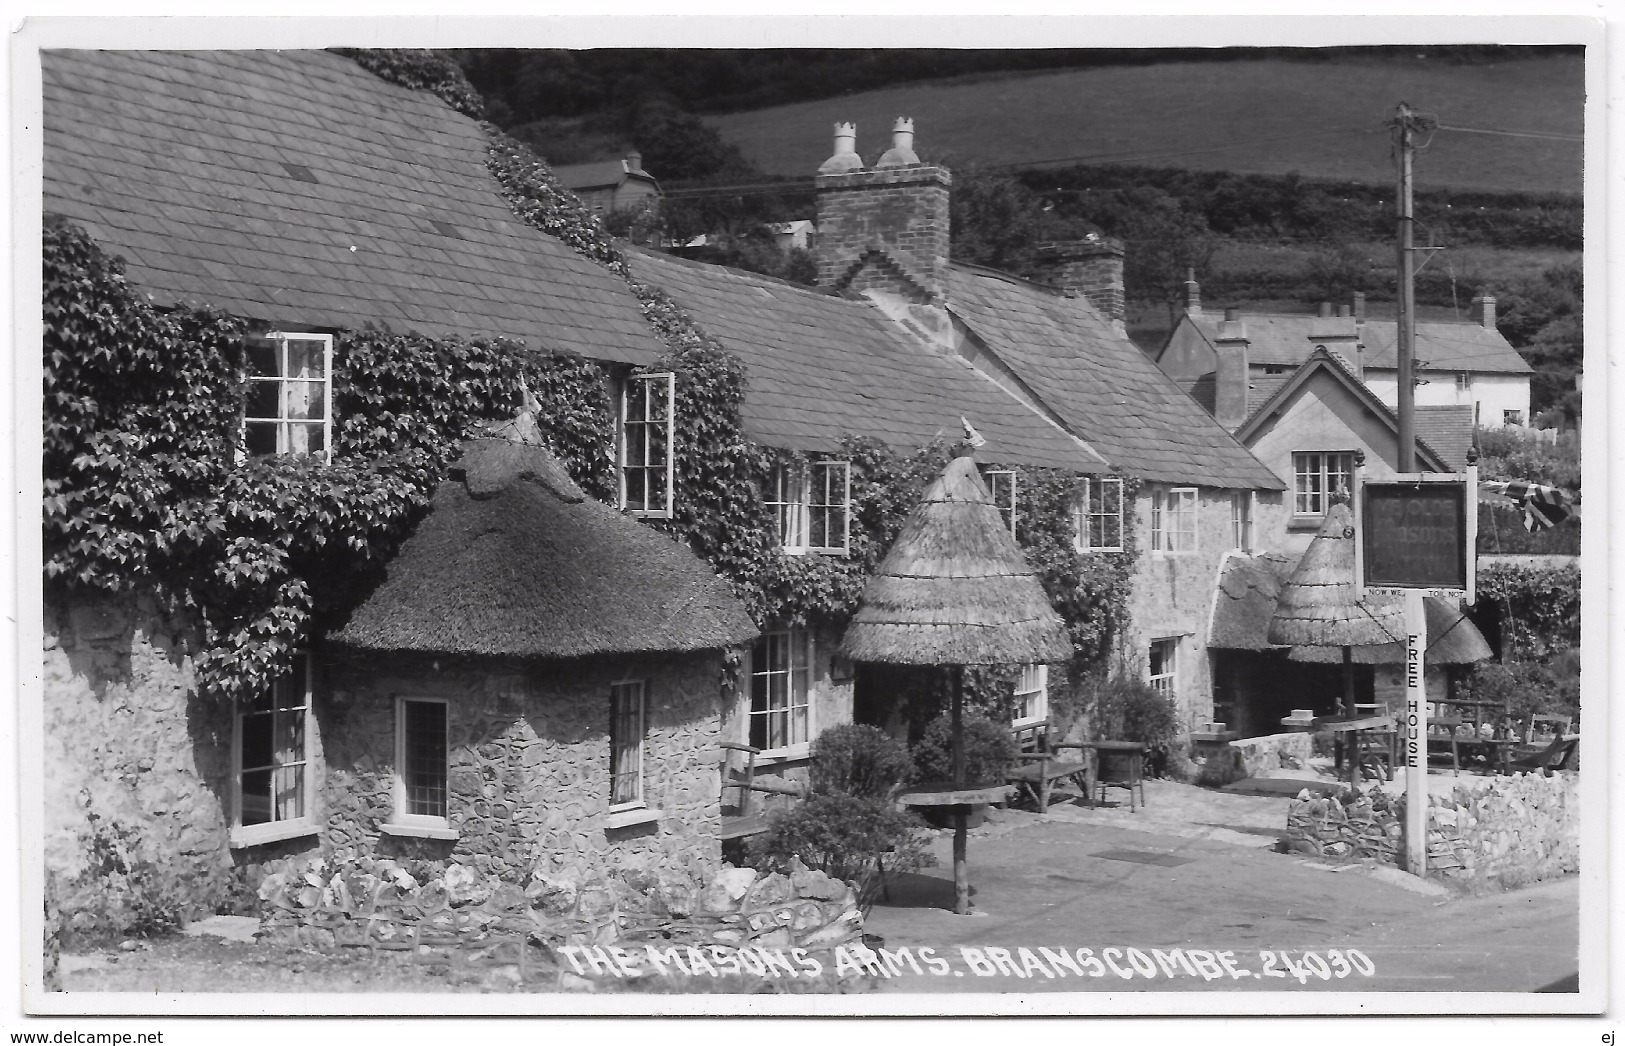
[1317,608]
[956,590]
[1453,639]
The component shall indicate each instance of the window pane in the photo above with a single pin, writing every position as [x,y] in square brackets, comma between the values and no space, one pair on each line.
[290,737]
[306,358]
[264,358]
[264,400]
[635,495]
[637,454]
[818,528]
[257,743]
[656,456]
[256,797]
[636,406]
[655,392]
[290,792]
[307,400]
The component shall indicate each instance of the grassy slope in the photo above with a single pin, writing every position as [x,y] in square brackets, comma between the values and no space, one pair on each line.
[1148,113]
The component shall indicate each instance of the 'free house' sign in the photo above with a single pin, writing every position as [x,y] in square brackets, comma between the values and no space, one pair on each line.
[1415,535]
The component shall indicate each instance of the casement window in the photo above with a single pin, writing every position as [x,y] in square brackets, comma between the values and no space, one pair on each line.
[811,504]
[1241,519]
[288,408]
[626,734]
[1317,476]
[421,762]
[271,782]
[781,689]
[1098,515]
[1001,486]
[1173,520]
[1032,695]
[1163,666]
[645,454]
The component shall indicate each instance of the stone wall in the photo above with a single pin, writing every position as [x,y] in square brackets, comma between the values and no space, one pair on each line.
[1497,830]
[130,749]
[1251,756]
[529,754]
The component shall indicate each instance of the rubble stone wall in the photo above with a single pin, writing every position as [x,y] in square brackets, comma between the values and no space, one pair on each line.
[1251,756]
[1505,830]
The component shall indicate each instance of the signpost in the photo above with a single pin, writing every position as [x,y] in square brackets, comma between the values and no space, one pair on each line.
[1416,537]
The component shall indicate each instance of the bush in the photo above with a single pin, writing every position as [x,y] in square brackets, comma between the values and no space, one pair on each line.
[120,892]
[857,839]
[989,752]
[1527,688]
[1123,709]
[859,760]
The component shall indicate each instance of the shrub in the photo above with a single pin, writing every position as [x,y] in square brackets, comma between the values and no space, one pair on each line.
[857,839]
[1123,709]
[860,760]
[120,892]
[1527,688]
[989,751]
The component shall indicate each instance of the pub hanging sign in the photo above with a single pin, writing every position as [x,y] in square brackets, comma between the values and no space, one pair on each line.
[1416,534]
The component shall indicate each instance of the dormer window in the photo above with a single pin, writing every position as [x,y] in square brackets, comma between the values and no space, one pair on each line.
[288,407]
[647,431]
[811,504]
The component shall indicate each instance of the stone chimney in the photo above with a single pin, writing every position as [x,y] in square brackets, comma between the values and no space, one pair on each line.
[1193,294]
[1338,333]
[1484,305]
[893,215]
[634,162]
[1091,268]
[1230,377]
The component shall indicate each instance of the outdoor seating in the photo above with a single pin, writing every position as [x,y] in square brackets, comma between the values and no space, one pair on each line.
[1555,756]
[1045,765]
[1556,726]
[1443,737]
[749,817]
[1119,764]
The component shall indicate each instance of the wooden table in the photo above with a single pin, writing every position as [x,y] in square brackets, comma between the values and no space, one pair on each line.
[1104,752]
[1347,730]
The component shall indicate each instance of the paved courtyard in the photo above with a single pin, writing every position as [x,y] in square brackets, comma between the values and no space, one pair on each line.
[1196,869]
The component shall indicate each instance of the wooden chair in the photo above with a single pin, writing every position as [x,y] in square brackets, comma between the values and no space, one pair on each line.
[1558,726]
[749,818]
[1376,747]
[1045,764]
[1554,756]
[1443,732]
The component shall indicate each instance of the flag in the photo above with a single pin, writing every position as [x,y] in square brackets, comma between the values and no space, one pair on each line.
[1542,506]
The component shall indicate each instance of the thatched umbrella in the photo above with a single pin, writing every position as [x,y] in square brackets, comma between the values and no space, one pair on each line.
[1453,639]
[1317,607]
[956,590]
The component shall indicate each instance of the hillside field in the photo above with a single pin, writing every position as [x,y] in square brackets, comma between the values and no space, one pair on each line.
[1322,119]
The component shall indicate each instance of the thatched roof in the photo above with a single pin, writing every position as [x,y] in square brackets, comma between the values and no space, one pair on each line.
[955,588]
[1453,639]
[1249,588]
[1317,607]
[514,560]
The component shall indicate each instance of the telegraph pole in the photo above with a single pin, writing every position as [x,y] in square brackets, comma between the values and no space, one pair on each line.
[1404,149]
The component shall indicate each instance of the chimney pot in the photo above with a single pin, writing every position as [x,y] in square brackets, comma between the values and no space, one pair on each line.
[1231,314]
[1193,294]
[634,161]
[1359,306]
[845,156]
[1325,310]
[901,153]
[1342,311]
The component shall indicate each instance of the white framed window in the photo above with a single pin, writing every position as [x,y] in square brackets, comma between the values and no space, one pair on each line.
[1317,476]
[645,456]
[288,407]
[1162,666]
[422,768]
[1001,486]
[1512,417]
[1032,695]
[811,504]
[1173,520]
[781,689]
[627,727]
[1098,515]
[272,779]
[1241,519]
[1464,381]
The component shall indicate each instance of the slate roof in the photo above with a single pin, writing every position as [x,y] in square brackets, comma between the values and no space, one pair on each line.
[1288,339]
[1448,430]
[1100,384]
[175,161]
[514,560]
[819,367]
[596,174]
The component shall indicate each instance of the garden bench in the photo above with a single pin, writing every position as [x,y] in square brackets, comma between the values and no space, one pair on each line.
[1046,766]
[1554,756]
[748,819]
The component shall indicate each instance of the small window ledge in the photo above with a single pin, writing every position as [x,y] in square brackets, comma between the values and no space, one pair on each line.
[260,834]
[1305,522]
[786,754]
[420,831]
[632,818]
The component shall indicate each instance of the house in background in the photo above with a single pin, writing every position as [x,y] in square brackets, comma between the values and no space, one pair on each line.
[1460,364]
[609,185]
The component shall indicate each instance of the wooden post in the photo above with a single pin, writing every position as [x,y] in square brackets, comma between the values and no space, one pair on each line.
[1348,681]
[961,871]
[1416,733]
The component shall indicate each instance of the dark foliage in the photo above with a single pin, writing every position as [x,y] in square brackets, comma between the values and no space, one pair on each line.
[854,759]
[857,839]
[990,751]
